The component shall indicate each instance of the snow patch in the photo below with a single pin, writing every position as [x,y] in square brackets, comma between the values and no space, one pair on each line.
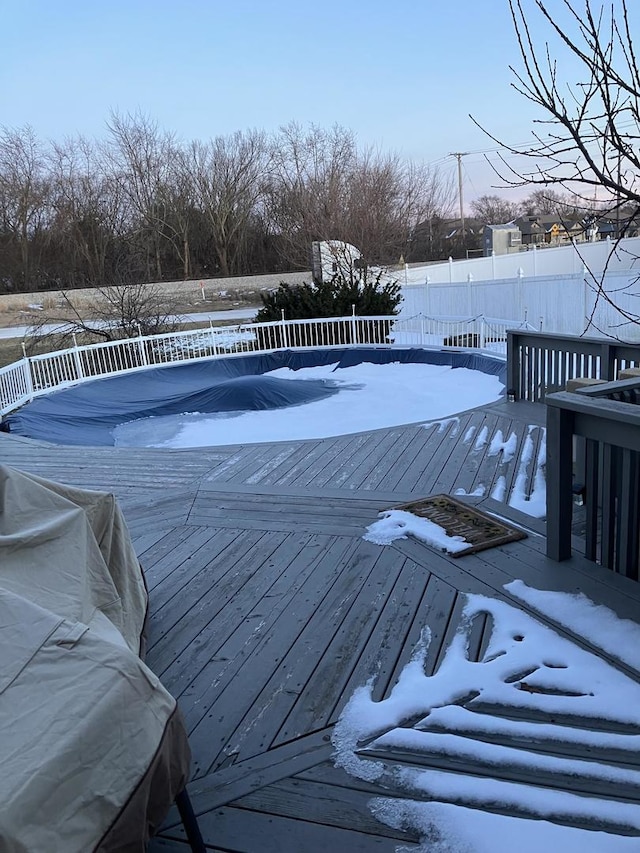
[499,490]
[481,438]
[534,504]
[447,828]
[371,396]
[526,669]
[398,524]
[469,435]
[478,492]
[507,448]
[618,637]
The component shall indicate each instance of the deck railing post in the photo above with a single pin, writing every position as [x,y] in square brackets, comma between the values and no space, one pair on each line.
[285,331]
[354,326]
[514,391]
[28,375]
[559,482]
[141,347]
[607,362]
[77,359]
[214,345]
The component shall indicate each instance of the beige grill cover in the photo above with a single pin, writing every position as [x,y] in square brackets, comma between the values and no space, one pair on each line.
[86,729]
[69,551]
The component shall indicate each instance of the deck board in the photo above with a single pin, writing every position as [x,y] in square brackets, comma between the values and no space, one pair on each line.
[268,609]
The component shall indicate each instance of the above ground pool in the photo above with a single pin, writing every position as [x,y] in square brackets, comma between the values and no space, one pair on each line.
[140,407]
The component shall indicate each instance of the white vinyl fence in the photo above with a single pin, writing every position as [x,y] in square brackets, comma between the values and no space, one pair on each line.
[36,375]
[561,304]
[547,261]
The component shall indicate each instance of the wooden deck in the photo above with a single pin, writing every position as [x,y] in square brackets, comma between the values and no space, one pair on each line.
[268,608]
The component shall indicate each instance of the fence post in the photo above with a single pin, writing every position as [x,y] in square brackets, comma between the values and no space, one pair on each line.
[28,376]
[354,327]
[141,347]
[559,482]
[77,359]
[514,354]
[285,331]
[607,362]
[214,345]
[482,335]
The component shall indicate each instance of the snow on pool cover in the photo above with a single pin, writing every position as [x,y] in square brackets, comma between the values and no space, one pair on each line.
[277,397]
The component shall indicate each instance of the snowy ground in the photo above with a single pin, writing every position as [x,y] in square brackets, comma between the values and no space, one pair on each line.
[371,397]
[527,670]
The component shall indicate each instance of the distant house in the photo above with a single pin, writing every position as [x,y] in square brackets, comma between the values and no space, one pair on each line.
[545,230]
[552,230]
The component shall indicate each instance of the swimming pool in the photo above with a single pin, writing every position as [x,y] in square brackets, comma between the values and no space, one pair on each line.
[88,414]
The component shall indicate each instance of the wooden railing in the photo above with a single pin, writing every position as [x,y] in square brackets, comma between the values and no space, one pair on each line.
[598,429]
[540,363]
[36,375]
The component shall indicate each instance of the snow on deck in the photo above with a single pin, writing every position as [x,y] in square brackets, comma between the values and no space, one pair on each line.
[271,615]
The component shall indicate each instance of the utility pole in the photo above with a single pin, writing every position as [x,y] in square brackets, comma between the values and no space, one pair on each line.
[459,155]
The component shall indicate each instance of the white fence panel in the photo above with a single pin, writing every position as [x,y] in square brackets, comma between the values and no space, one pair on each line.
[559,260]
[15,385]
[569,304]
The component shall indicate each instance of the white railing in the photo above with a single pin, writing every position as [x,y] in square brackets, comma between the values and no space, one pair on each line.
[37,375]
[488,334]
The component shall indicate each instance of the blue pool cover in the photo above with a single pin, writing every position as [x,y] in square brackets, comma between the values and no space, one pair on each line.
[86,414]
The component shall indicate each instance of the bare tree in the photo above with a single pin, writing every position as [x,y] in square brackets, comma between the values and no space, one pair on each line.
[307,189]
[494,210]
[228,176]
[588,138]
[324,188]
[141,157]
[550,202]
[89,214]
[114,313]
[23,205]
[388,198]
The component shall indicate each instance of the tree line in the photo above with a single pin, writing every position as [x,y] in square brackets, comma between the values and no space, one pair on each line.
[139,205]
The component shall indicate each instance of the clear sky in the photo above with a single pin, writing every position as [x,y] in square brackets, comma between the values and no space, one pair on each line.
[403,74]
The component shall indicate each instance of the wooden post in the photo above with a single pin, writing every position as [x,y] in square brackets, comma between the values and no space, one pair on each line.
[513,367]
[559,482]
[607,362]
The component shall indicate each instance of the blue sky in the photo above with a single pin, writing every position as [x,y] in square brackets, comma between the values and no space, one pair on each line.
[402,74]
